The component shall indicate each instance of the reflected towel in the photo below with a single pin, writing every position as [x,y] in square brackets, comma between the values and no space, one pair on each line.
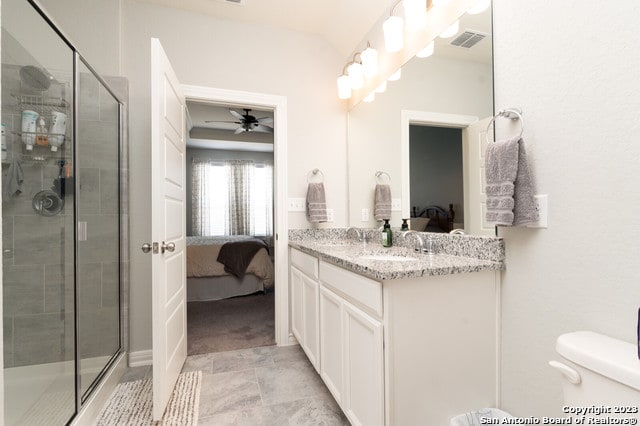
[382,202]
[14,179]
[316,203]
[509,187]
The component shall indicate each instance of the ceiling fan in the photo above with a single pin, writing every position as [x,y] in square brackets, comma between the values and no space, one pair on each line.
[248,122]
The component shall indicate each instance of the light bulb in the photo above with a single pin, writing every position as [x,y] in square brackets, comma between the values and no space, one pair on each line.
[382,87]
[451,30]
[393,28]
[439,2]
[415,14]
[370,97]
[369,61]
[480,7]
[427,51]
[356,76]
[344,87]
[396,75]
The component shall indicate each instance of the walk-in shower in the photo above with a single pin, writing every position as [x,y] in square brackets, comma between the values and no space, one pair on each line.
[62,221]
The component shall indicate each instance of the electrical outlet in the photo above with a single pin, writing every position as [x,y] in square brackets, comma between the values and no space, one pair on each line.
[542,206]
[395,204]
[365,215]
[329,215]
[297,204]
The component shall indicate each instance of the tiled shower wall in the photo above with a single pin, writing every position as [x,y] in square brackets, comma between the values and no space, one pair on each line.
[38,280]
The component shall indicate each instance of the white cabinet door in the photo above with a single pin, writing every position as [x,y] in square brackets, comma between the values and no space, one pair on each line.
[331,342]
[363,399]
[304,313]
[311,300]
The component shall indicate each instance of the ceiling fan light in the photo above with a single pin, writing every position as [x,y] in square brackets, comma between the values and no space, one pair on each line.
[396,75]
[451,30]
[393,32]
[382,87]
[356,76]
[479,7]
[370,97]
[369,61]
[415,14]
[344,87]
[426,51]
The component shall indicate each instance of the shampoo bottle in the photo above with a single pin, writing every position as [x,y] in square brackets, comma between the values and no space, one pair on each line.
[387,235]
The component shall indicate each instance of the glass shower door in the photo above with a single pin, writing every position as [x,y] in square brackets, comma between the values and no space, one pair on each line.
[37,220]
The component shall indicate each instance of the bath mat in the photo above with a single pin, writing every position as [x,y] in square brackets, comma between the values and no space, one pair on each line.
[131,403]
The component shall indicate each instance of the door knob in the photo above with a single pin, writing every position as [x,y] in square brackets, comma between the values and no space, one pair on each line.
[146,248]
[171,247]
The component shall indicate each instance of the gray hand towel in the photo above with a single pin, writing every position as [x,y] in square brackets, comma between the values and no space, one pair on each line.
[14,179]
[382,202]
[316,203]
[509,187]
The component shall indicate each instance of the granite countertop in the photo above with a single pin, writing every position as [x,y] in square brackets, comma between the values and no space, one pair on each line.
[348,253]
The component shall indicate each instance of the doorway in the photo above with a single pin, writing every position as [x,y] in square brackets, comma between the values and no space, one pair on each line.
[263,106]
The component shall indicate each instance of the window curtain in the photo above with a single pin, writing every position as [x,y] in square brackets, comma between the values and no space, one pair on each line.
[240,174]
[200,204]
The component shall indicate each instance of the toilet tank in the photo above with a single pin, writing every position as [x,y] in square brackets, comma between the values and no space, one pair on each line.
[601,374]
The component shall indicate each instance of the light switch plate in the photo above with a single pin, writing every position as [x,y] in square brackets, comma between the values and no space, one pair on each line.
[329,215]
[365,215]
[542,205]
[396,204]
[297,204]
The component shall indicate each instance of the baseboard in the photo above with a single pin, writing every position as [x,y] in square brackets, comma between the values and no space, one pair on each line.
[140,358]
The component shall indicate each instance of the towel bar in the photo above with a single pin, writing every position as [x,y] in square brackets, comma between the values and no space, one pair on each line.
[511,113]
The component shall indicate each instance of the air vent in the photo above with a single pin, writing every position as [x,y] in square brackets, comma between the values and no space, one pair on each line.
[468,39]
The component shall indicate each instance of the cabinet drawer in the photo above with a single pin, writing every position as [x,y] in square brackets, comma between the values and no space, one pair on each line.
[362,291]
[304,262]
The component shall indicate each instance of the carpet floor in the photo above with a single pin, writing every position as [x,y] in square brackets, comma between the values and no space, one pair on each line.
[230,324]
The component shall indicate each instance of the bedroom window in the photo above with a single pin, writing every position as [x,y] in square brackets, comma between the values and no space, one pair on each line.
[233,197]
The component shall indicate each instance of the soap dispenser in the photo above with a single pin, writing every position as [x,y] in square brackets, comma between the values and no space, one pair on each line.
[405,225]
[387,235]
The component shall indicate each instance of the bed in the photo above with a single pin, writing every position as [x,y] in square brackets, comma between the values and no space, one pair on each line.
[207,278]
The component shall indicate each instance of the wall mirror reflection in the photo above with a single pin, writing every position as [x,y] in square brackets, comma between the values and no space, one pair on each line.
[427,132]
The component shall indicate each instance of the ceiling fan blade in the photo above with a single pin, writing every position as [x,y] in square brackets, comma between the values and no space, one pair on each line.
[239,130]
[237,115]
[221,121]
[264,129]
[265,120]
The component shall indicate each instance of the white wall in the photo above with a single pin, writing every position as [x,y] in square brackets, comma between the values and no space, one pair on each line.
[210,52]
[93,26]
[572,66]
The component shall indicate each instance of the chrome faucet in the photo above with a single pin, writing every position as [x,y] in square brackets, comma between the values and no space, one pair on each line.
[419,247]
[359,232]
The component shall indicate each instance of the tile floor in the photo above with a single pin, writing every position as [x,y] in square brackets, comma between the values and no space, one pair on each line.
[265,386]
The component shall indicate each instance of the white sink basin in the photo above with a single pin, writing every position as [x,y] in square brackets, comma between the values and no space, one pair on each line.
[387,258]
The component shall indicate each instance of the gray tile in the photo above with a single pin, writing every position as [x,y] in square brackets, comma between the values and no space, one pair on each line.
[89,107]
[41,239]
[32,184]
[7,240]
[288,353]
[224,392]
[58,288]
[99,143]
[242,359]
[89,285]
[7,339]
[23,290]
[110,284]
[40,339]
[108,106]
[102,239]
[89,197]
[109,190]
[136,373]
[289,381]
[198,362]
[98,332]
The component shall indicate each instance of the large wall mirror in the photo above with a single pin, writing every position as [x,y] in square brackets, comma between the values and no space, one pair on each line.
[427,132]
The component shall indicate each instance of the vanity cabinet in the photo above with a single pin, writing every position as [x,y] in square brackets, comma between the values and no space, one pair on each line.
[305,304]
[351,344]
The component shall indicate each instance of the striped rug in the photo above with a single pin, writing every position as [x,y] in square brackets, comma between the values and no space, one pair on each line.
[131,403]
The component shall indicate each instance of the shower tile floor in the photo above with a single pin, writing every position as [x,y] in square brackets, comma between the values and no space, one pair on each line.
[266,386]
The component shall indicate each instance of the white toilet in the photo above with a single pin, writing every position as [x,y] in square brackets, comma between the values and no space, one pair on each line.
[602,380]
[601,374]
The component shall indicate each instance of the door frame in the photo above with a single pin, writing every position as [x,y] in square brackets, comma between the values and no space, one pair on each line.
[436,119]
[279,106]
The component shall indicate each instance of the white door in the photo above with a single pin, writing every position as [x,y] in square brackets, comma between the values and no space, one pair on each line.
[475,143]
[168,228]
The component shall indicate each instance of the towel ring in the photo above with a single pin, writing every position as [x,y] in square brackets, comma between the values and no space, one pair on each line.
[511,113]
[379,177]
[313,173]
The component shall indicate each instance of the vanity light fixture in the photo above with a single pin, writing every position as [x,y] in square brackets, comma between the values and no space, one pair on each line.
[396,75]
[415,14]
[451,30]
[427,51]
[439,2]
[393,29]
[370,97]
[356,74]
[369,57]
[480,7]
[344,86]
[382,87]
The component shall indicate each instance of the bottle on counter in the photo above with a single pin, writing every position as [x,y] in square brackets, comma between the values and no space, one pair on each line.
[405,225]
[387,235]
